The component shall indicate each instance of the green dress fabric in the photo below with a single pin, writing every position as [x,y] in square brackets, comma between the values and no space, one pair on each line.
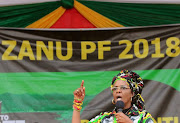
[136,115]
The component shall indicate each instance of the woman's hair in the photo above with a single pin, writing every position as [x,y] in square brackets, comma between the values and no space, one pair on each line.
[135,83]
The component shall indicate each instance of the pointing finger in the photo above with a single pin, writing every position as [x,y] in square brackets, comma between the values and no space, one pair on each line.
[82,84]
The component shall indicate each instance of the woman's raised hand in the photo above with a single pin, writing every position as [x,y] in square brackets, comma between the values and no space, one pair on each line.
[79,95]
[80,92]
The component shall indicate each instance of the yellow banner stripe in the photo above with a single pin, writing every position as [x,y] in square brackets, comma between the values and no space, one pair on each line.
[48,20]
[95,18]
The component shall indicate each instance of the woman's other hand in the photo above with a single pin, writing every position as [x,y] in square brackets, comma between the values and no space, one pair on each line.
[79,93]
[122,118]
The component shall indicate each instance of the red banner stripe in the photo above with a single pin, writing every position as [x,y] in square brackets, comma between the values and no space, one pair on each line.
[72,19]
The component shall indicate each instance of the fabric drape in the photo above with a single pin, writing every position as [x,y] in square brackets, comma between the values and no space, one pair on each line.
[95,18]
[48,20]
[72,19]
[126,14]
[136,14]
[24,15]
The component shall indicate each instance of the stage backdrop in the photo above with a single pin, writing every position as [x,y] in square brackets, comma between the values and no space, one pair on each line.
[40,69]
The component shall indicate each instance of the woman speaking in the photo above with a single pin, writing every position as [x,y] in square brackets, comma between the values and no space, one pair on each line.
[126,89]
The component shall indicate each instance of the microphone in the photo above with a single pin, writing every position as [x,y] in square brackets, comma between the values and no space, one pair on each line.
[119,106]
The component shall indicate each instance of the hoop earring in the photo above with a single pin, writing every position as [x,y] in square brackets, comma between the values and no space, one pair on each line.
[113,102]
[133,99]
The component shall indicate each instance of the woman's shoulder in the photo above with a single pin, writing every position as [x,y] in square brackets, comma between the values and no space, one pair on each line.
[143,116]
[145,113]
[146,117]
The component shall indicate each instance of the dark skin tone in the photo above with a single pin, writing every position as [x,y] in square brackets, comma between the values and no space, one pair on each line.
[125,96]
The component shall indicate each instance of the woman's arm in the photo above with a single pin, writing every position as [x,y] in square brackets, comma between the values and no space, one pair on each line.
[76,117]
[79,95]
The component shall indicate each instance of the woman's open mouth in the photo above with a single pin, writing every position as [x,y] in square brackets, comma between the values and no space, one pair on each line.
[118,97]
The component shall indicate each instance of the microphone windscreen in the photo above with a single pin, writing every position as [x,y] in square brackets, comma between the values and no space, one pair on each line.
[119,104]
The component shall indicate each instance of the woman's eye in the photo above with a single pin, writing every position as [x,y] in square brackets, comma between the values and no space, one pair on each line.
[123,88]
[115,88]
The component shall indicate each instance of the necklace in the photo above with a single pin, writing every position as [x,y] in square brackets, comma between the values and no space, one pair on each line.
[126,111]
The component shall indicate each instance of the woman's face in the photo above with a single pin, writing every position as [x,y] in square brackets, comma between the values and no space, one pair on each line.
[122,92]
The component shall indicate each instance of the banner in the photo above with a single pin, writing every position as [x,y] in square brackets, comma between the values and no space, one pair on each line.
[40,69]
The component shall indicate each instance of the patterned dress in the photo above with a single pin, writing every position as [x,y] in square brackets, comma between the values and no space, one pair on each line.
[136,115]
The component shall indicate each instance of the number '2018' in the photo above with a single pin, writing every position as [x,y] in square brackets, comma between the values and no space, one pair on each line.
[172,50]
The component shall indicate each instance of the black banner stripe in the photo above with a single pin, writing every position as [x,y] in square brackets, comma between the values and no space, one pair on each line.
[135,52]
